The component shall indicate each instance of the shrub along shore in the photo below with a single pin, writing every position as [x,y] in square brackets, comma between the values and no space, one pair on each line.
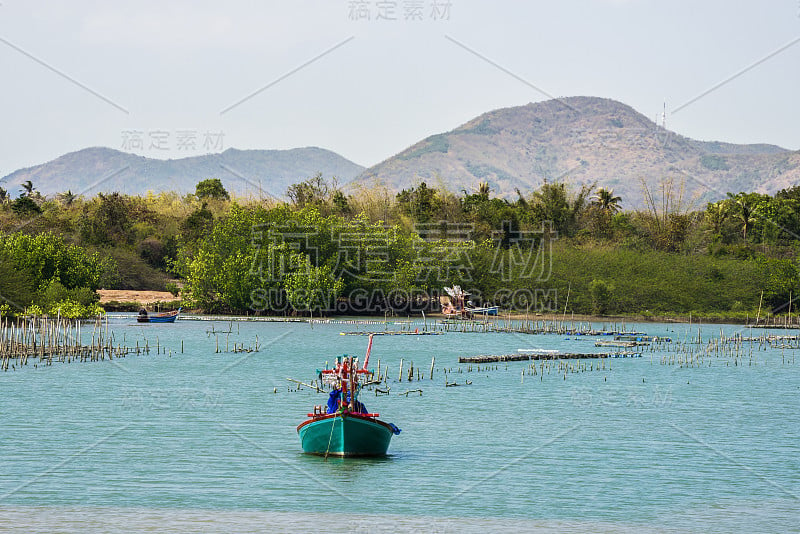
[554,250]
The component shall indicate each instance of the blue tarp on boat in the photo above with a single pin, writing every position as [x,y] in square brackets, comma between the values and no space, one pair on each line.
[333,402]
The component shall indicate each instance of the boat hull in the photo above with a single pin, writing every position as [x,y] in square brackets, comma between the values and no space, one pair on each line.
[168,317]
[157,319]
[345,435]
[491,310]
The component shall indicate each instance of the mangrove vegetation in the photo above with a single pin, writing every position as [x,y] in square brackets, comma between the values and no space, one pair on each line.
[328,249]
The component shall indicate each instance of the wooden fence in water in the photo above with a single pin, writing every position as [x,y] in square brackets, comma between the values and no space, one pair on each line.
[48,339]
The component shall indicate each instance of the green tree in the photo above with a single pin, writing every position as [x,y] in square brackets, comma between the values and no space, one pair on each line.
[553,202]
[27,188]
[601,296]
[314,192]
[793,193]
[235,258]
[601,211]
[490,216]
[605,200]
[110,219]
[154,251]
[311,288]
[54,292]
[746,210]
[340,203]
[24,206]
[16,286]
[45,257]
[774,220]
[43,268]
[715,216]
[67,198]
[211,188]
[781,280]
[197,224]
[422,203]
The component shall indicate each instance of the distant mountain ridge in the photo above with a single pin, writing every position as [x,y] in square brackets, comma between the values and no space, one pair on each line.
[243,172]
[580,140]
[584,140]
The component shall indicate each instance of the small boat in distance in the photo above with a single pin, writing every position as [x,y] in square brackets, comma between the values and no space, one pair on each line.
[166,317]
[486,310]
[344,427]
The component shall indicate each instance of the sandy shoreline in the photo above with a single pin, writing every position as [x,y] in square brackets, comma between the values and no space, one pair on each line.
[144,298]
[147,298]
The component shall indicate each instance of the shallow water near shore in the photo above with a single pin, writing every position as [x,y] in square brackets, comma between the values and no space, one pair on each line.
[201,440]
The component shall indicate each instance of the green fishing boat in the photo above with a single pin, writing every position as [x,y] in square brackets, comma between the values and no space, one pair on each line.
[344,427]
[345,434]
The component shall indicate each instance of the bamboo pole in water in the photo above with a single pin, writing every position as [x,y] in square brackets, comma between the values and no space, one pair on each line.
[760,300]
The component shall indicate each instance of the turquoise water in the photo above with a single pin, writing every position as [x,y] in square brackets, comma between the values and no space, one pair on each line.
[209,439]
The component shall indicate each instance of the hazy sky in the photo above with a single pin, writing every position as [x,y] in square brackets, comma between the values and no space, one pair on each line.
[83,73]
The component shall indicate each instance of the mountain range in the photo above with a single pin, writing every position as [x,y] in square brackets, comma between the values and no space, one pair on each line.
[579,140]
[585,140]
[243,172]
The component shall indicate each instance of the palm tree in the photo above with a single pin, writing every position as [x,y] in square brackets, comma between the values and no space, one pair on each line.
[521,199]
[716,214]
[606,201]
[67,197]
[554,202]
[747,211]
[28,187]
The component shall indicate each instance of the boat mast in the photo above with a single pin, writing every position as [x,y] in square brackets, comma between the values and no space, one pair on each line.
[342,384]
[352,377]
[369,349]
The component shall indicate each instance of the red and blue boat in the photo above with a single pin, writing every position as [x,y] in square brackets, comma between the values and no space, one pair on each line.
[166,317]
[344,427]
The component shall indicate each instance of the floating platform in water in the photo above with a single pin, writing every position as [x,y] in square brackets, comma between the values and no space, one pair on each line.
[493,358]
[392,333]
[643,338]
[621,344]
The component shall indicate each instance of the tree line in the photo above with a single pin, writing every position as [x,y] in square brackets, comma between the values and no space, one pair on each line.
[326,249]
